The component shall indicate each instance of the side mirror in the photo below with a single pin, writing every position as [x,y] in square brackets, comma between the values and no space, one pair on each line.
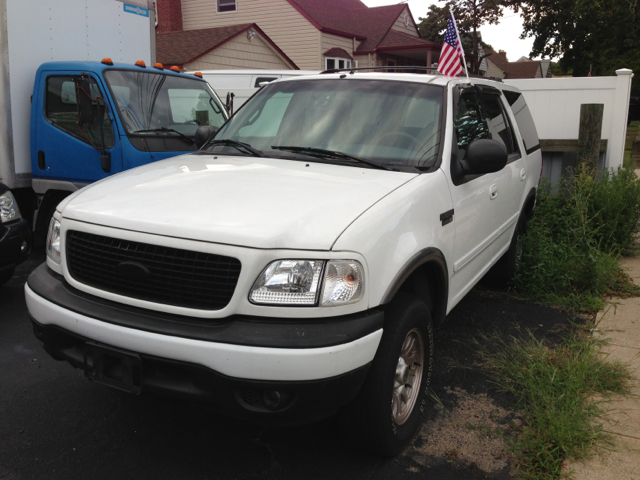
[484,156]
[203,134]
[83,97]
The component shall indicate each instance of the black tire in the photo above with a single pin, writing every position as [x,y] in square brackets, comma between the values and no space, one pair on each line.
[504,270]
[6,275]
[369,420]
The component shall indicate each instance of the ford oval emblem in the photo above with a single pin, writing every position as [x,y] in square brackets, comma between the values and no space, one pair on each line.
[133,271]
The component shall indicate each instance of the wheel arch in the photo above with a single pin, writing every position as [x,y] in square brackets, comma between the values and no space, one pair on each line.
[425,275]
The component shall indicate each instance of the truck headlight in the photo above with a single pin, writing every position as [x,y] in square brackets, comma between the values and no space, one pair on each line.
[288,282]
[9,208]
[53,241]
[298,283]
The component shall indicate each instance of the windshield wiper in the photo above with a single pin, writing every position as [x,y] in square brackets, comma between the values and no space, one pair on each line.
[322,153]
[164,129]
[243,147]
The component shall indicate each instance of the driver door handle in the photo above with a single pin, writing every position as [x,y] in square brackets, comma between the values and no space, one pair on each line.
[493,192]
[523,174]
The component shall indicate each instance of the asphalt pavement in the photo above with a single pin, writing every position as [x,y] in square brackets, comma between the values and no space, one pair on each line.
[55,424]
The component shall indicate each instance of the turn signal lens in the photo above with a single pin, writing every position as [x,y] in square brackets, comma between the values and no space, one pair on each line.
[343,283]
[159,66]
[53,241]
[140,63]
[107,61]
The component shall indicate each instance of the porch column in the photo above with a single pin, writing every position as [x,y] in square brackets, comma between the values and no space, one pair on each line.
[429,58]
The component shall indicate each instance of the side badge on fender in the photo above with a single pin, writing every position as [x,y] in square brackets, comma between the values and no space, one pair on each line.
[446,217]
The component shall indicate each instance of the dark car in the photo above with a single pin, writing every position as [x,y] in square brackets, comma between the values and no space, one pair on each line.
[15,235]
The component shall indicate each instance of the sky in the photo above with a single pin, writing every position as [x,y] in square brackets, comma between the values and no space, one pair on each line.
[504,36]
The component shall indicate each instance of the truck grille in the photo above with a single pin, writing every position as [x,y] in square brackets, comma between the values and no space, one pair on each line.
[153,273]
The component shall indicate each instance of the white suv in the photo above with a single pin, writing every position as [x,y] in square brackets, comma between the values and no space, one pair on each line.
[294,266]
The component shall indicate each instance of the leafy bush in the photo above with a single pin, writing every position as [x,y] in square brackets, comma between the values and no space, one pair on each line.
[575,237]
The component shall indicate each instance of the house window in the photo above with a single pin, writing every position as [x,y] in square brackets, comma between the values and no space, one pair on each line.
[226,5]
[336,63]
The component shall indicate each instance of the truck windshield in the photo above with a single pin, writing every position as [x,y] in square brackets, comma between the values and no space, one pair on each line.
[159,104]
[393,123]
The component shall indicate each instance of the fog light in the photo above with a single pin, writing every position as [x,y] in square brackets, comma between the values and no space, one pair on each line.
[271,399]
[24,246]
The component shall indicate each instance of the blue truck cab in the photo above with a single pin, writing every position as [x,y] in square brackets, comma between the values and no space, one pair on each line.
[90,120]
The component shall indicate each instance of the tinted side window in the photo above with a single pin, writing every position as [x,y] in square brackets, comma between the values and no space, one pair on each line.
[62,112]
[524,119]
[497,122]
[469,123]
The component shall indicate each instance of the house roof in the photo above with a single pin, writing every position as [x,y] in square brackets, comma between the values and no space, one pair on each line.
[353,19]
[338,53]
[519,69]
[180,48]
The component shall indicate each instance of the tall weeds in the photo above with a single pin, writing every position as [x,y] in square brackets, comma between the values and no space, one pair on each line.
[575,238]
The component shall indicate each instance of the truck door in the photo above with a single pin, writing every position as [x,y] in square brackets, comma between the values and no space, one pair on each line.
[481,208]
[64,149]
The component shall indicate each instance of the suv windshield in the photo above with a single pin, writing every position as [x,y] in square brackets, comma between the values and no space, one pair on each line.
[159,104]
[387,122]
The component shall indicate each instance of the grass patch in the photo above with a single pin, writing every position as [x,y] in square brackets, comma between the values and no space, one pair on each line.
[554,389]
[575,238]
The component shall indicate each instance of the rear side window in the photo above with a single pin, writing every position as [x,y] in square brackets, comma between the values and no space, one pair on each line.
[524,119]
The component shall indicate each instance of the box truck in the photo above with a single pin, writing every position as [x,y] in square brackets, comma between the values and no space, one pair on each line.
[81,99]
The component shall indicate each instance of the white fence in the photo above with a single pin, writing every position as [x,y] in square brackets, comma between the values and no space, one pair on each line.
[555,106]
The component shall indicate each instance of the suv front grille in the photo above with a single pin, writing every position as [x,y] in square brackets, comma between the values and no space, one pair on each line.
[153,273]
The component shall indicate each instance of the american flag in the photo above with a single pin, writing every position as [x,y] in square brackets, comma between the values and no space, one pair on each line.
[451,53]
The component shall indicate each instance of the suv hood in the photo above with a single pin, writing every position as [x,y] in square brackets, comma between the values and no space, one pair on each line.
[244,201]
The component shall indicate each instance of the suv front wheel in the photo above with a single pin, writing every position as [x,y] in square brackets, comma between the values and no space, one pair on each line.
[388,410]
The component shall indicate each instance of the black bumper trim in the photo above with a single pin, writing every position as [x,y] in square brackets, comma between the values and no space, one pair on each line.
[236,329]
[307,401]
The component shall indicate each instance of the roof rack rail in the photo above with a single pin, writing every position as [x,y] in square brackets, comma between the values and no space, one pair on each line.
[396,67]
[400,67]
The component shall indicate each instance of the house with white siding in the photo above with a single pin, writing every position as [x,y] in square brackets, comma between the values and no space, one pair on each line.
[305,34]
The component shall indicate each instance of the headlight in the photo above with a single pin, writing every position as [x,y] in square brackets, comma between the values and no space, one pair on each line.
[288,282]
[9,208]
[298,283]
[53,241]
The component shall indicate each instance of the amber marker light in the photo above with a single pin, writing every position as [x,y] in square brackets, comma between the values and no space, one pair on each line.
[198,74]
[107,61]
[175,69]
[140,63]
[159,66]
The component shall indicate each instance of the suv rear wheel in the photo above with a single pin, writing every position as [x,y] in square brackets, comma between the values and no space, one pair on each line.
[388,410]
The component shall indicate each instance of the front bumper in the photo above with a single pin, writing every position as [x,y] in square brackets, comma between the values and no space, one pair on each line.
[15,244]
[319,364]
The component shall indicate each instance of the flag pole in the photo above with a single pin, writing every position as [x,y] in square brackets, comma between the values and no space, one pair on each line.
[464,60]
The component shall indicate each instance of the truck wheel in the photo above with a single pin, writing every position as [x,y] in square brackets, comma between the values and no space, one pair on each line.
[6,276]
[387,412]
[504,270]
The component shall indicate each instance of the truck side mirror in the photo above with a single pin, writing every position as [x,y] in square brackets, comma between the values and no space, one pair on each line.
[229,104]
[203,134]
[484,156]
[83,97]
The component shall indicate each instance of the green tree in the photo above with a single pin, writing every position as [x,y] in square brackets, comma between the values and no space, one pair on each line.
[603,35]
[470,16]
